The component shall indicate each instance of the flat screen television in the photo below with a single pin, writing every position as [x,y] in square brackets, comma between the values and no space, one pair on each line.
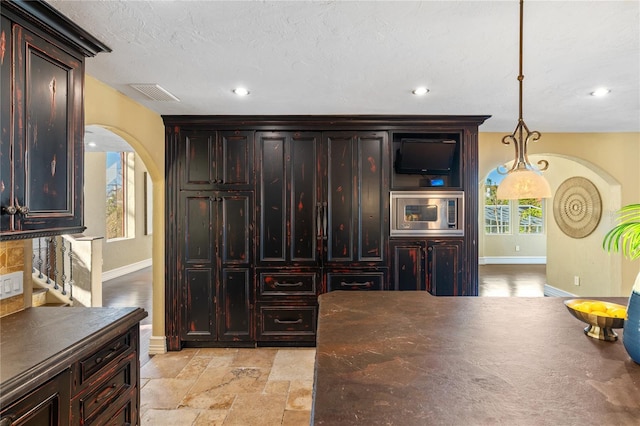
[425,156]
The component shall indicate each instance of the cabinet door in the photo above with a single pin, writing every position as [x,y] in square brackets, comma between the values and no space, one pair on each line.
[215,160]
[234,227]
[235,306]
[289,204]
[6,135]
[444,267]
[235,167]
[357,197]
[305,192]
[198,160]
[46,405]
[197,275]
[407,265]
[48,118]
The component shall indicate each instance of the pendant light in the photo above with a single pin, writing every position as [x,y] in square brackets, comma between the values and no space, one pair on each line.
[522,180]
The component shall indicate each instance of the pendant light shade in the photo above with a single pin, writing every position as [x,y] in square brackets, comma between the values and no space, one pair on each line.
[522,180]
[523,183]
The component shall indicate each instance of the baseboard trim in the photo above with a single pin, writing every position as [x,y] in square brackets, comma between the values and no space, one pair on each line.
[512,260]
[127,269]
[550,291]
[157,345]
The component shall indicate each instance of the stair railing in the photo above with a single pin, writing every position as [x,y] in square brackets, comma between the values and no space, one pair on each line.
[70,266]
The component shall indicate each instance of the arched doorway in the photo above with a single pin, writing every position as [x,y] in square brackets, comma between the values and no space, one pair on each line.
[573,265]
[117,193]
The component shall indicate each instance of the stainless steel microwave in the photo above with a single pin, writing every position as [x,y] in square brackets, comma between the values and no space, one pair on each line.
[427,213]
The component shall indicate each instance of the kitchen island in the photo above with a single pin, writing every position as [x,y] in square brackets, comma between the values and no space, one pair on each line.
[409,358]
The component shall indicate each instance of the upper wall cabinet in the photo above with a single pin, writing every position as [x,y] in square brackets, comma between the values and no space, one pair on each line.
[215,160]
[41,151]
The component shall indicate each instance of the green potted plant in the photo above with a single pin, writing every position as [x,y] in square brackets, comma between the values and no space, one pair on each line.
[625,238]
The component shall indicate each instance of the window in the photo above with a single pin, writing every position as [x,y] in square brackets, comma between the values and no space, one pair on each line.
[530,216]
[119,191]
[497,213]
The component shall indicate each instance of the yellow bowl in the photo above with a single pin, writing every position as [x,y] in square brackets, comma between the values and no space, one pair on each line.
[600,327]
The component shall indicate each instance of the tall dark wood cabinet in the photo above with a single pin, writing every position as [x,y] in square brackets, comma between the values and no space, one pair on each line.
[213,233]
[267,212]
[289,235]
[216,268]
[42,119]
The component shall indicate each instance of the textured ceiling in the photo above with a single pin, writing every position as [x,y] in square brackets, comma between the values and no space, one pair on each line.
[358,57]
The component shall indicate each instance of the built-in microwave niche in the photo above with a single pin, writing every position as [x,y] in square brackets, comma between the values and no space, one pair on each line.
[426,160]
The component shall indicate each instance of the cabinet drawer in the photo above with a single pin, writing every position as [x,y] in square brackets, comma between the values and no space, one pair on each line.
[124,415]
[277,322]
[103,356]
[103,395]
[355,281]
[281,284]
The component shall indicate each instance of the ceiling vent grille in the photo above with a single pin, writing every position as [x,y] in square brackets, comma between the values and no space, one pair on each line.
[155,92]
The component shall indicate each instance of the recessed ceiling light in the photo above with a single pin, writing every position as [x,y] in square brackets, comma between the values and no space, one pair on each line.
[420,91]
[241,91]
[91,144]
[603,91]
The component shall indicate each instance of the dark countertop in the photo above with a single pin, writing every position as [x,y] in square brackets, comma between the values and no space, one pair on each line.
[35,344]
[409,358]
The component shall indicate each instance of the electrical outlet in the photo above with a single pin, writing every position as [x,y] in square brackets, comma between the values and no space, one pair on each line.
[576,280]
[11,285]
[517,248]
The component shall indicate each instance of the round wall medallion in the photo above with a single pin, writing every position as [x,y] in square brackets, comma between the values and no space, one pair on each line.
[577,207]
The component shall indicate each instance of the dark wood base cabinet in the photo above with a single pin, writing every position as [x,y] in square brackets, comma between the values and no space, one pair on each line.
[435,265]
[266,213]
[71,366]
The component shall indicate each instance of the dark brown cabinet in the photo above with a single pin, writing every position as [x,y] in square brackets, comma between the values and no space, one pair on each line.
[323,208]
[41,181]
[215,254]
[357,198]
[408,264]
[319,221]
[435,265]
[290,225]
[216,160]
[445,266]
[76,366]
[46,405]
[211,287]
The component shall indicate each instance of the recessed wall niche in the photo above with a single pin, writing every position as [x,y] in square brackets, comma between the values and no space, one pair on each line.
[426,160]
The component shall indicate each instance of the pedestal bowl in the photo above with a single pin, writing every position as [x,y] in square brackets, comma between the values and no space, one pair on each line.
[601,317]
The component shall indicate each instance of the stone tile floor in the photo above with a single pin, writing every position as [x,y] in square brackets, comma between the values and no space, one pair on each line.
[223,386]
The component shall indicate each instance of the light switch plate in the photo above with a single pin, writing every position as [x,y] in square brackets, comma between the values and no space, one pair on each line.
[11,284]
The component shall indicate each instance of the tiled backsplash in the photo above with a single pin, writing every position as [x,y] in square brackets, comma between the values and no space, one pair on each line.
[12,259]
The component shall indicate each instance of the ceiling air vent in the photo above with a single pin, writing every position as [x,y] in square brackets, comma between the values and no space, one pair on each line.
[155,92]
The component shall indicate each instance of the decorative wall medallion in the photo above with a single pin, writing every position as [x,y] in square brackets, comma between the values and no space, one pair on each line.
[577,207]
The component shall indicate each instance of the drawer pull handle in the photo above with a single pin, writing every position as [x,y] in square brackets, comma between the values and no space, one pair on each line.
[112,352]
[279,284]
[106,393]
[279,321]
[356,284]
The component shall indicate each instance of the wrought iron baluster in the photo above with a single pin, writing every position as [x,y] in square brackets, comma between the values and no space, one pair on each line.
[48,257]
[53,260]
[40,258]
[63,277]
[33,260]
[71,282]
